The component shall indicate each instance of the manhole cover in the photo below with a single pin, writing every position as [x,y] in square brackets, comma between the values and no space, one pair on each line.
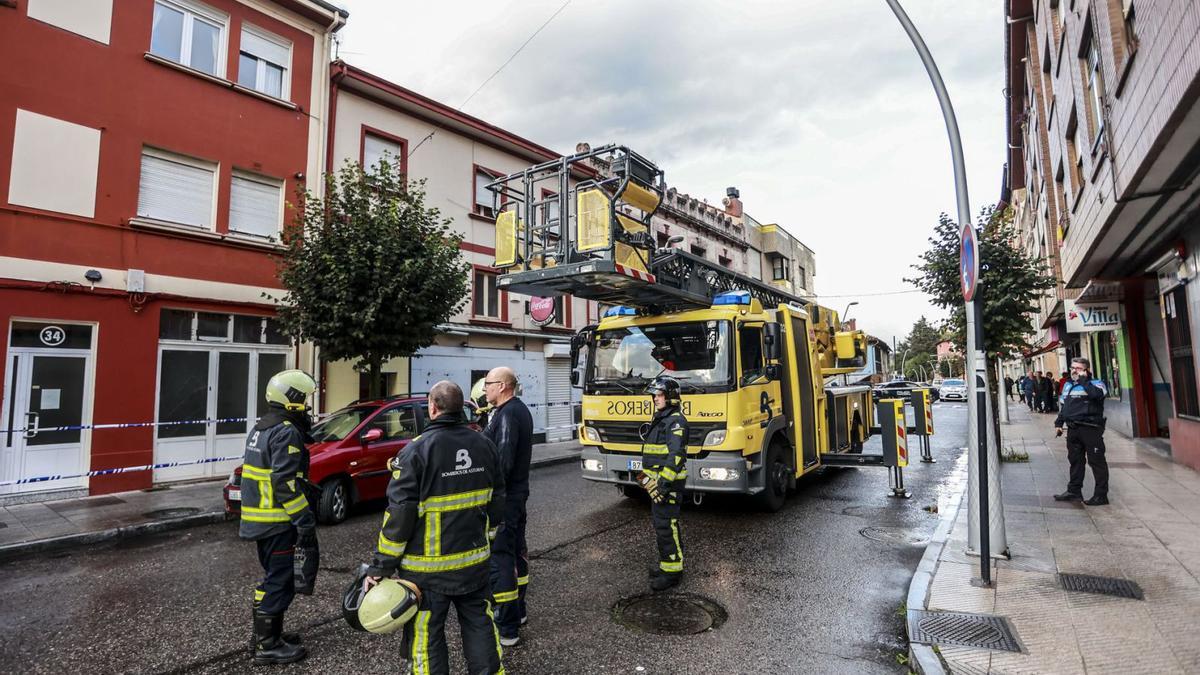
[674,614]
[960,628]
[177,512]
[893,535]
[1086,583]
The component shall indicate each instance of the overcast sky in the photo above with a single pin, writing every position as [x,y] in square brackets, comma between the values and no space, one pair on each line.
[819,112]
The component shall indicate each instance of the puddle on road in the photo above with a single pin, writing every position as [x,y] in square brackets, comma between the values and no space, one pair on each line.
[951,486]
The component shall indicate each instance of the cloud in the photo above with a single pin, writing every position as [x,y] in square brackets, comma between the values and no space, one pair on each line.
[820,112]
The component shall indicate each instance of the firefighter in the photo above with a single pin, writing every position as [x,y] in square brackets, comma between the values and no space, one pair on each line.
[664,470]
[445,504]
[275,513]
[1082,412]
[511,429]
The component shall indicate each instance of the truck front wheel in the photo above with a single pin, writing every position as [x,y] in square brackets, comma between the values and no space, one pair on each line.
[776,480]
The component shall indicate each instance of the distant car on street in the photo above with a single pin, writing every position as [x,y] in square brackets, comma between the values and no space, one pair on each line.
[350,453]
[894,389]
[955,390]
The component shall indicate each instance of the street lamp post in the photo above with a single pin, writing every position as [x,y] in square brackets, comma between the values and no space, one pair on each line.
[983,495]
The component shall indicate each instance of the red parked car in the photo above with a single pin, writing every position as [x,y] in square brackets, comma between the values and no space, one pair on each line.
[351,450]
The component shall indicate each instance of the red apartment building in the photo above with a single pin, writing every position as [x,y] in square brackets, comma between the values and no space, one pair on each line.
[148,152]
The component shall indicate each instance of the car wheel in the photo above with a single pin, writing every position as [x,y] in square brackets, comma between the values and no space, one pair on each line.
[335,502]
[774,493]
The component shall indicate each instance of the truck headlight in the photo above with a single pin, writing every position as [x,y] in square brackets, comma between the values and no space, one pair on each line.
[591,434]
[593,465]
[719,473]
[715,437]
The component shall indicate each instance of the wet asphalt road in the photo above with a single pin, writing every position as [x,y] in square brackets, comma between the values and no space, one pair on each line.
[805,591]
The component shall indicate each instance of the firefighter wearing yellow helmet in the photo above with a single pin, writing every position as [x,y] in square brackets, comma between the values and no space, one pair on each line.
[275,512]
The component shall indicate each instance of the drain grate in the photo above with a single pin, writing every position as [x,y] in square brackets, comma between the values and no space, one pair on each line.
[670,614]
[177,512]
[1086,583]
[984,631]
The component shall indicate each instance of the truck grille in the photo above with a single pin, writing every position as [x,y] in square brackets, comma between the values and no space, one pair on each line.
[629,432]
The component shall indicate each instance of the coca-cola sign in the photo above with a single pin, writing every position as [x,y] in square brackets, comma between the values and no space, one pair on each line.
[541,310]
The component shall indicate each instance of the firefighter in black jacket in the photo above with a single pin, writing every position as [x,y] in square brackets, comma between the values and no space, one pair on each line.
[664,470]
[445,504]
[1081,410]
[511,429]
[275,512]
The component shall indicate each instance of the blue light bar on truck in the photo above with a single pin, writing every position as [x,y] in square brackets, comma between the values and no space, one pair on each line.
[732,298]
[620,310]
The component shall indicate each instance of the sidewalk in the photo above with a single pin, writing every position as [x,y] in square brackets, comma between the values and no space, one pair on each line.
[43,526]
[1149,534]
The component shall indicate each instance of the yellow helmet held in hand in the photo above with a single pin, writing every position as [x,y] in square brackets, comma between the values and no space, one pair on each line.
[290,389]
[389,605]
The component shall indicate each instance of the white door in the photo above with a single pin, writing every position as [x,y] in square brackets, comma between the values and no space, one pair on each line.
[208,397]
[559,414]
[47,390]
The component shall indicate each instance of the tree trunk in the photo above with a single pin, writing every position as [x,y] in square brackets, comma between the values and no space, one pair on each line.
[375,377]
[993,389]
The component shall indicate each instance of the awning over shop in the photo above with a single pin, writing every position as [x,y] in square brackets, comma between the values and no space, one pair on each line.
[467,329]
[1050,346]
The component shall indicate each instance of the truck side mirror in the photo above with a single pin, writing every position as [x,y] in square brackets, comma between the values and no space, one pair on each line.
[772,341]
[774,372]
[574,378]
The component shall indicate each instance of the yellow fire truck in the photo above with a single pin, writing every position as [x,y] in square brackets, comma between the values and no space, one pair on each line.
[752,361]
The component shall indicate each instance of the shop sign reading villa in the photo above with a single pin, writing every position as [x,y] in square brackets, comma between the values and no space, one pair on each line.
[1088,318]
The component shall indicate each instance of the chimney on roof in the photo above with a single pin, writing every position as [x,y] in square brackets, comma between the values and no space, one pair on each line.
[733,202]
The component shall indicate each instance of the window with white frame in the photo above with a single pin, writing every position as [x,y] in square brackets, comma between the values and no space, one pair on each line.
[487,296]
[255,205]
[176,189]
[264,61]
[1092,79]
[485,199]
[779,268]
[190,34]
[376,148]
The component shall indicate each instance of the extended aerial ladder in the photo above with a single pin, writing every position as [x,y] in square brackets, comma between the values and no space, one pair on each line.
[580,225]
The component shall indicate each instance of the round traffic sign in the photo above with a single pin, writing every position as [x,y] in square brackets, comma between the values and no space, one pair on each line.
[968,262]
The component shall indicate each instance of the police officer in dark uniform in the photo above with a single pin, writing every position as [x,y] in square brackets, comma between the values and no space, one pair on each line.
[1081,410]
[275,513]
[664,470]
[445,503]
[511,429]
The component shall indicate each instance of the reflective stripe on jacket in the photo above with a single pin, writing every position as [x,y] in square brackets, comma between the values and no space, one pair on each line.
[664,450]
[445,501]
[272,495]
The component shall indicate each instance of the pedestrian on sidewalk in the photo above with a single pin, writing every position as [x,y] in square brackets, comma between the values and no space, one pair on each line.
[1049,392]
[664,470]
[275,464]
[1082,412]
[1062,382]
[1027,387]
[445,502]
[510,427]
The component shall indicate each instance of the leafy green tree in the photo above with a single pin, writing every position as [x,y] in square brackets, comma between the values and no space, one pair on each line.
[917,353]
[369,270]
[952,366]
[1011,283]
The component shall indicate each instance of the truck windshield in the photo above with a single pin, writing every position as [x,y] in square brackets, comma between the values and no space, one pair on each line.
[696,353]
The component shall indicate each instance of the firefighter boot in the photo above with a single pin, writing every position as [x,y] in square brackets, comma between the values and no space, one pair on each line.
[269,646]
[290,638]
[665,580]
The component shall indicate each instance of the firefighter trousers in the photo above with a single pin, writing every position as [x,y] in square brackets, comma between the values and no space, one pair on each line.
[665,518]
[510,569]
[425,636]
[275,553]
[1086,444]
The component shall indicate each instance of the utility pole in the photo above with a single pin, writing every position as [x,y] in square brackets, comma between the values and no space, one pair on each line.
[985,510]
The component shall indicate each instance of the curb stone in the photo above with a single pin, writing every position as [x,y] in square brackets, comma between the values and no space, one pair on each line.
[922,658]
[10,551]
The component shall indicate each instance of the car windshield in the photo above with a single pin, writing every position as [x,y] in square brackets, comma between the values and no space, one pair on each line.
[340,424]
[953,383]
[697,353]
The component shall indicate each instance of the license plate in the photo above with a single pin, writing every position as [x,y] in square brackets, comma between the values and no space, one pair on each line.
[235,495]
[635,465]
